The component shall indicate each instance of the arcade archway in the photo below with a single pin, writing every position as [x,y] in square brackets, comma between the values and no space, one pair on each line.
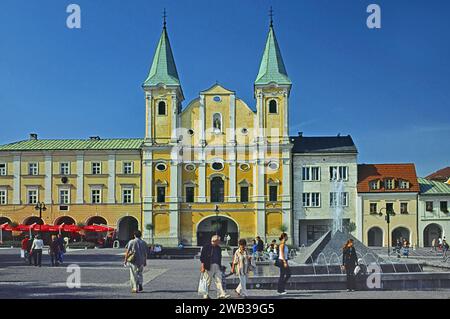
[375,237]
[432,231]
[217,225]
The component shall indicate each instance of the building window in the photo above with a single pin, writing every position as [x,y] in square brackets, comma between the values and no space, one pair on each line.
[162,108]
[403,208]
[244,194]
[429,206]
[311,173]
[161,167]
[444,207]
[33,169]
[373,208]
[273,193]
[3,169]
[96,196]
[338,173]
[374,185]
[64,196]
[3,197]
[217,122]
[189,167]
[390,208]
[314,232]
[32,196]
[96,168]
[127,195]
[217,190]
[160,194]
[127,168]
[273,107]
[189,194]
[217,166]
[273,165]
[311,199]
[403,184]
[64,168]
[389,183]
[244,167]
[338,199]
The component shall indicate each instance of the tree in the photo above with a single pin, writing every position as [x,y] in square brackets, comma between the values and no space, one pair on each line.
[283,228]
[351,227]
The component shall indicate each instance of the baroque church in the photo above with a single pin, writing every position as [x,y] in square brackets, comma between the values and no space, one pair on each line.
[216,165]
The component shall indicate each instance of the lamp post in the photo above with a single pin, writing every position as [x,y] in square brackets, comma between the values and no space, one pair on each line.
[217,219]
[40,206]
[387,217]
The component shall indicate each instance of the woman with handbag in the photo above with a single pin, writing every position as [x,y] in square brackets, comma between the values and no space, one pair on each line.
[282,263]
[349,263]
[241,266]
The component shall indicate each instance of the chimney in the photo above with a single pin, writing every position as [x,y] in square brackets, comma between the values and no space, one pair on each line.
[33,137]
[94,138]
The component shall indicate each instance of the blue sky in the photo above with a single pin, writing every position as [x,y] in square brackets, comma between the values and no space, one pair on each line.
[388,88]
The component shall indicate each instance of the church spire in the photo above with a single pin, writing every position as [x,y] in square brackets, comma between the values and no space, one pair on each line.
[163,69]
[272,67]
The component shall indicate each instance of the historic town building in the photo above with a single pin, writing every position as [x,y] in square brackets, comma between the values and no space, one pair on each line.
[324,179]
[90,181]
[218,164]
[388,188]
[434,216]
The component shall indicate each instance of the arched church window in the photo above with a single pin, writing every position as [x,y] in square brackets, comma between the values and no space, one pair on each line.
[273,107]
[162,108]
[217,122]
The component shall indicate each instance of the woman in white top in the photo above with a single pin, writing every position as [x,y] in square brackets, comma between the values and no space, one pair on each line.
[240,267]
[36,250]
[285,271]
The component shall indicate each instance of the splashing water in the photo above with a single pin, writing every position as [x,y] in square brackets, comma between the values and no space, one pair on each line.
[337,187]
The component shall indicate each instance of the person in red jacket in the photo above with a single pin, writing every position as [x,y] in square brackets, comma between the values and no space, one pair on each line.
[25,247]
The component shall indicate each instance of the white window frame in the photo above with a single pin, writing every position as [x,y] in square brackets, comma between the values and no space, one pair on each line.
[3,196]
[339,172]
[128,165]
[131,195]
[389,182]
[68,196]
[34,189]
[65,171]
[99,195]
[4,169]
[307,173]
[94,164]
[311,199]
[33,169]
[276,106]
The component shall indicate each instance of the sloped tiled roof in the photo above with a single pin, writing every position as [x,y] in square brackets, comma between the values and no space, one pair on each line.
[74,144]
[428,187]
[370,172]
[441,175]
[323,144]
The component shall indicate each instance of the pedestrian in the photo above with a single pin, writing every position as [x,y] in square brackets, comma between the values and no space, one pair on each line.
[54,251]
[398,247]
[24,246]
[29,244]
[349,262]
[433,244]
[272,250]
[259,247]
[228,238]
[240,267]
[440,243]
[282,262]
[445,247]
[136,260]
[406,248]
[254,249]
[62,248]
[211,266]
[36,250]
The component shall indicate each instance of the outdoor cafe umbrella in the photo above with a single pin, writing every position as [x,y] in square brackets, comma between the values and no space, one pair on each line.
[4,227]
[98,228]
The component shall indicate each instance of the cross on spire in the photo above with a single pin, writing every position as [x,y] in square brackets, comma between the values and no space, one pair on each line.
[164,18]
[271,16]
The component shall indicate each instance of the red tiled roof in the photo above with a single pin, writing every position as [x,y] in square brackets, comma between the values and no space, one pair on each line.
[441,175]
[370,172]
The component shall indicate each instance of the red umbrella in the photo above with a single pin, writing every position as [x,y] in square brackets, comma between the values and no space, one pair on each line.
[98,228]
[6,227]
[22,227]
[70,228]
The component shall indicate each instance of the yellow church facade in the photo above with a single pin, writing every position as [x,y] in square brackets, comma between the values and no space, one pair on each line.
[218,165]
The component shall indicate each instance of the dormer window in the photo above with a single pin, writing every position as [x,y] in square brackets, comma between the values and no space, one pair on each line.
[389,183]
[402,184]
[374,185]
[273,109]
[162,108]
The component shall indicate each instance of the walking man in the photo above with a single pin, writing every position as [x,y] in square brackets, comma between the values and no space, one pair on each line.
[211,259]
[136,259]
[36,250]
[62,248]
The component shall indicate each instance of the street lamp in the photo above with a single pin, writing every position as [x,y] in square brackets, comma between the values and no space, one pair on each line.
[40,206]
[389,213]
[217,219]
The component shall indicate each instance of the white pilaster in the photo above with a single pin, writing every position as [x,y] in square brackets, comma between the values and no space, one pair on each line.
[149,111]
[286,118]
[80,179]
[260,111]
[174,195]
[202,123]
[286,185]
[48,179]
[232,138]
[16,181]
[112,179]
[174,136]
[147,191]
[202,182]
[232,182]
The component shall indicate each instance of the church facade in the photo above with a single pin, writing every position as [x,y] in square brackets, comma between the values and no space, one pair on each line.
[218,165]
